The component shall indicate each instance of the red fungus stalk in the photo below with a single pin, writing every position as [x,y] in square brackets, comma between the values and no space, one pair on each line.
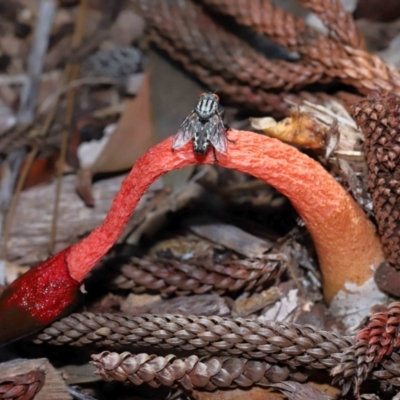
[345,240]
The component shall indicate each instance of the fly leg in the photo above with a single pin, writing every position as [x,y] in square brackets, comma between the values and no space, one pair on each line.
[227,127]
[215,155]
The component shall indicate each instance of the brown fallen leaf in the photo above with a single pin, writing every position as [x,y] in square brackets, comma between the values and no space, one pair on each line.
[201,304]
[299,129]
[299,391]
[23,386]
[155,216]
[182,93]
[243,307]
[130,139]
[28,243]
[232,238]
[53,386]
[255,393]
[79,374]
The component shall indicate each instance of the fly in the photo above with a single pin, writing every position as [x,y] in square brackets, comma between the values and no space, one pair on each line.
[204,126]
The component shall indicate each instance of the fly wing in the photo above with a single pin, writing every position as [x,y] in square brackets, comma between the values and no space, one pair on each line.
[217,132]
[185,132]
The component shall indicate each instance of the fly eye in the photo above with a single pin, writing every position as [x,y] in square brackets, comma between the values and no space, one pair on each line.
[202,94]
[216,96]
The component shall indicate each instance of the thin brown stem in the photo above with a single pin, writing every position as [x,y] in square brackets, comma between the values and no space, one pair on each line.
[71,73]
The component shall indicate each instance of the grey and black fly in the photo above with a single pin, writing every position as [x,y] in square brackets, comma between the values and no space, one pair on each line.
[204,126]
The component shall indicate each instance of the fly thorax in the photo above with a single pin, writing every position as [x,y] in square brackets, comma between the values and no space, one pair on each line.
[206,107]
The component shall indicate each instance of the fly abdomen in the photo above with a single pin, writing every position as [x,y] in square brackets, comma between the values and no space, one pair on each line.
[201,142]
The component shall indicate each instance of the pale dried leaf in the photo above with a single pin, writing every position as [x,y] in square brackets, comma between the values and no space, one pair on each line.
[255,393]
[299,391]
[54,386]
[243,307]
[132,136]
[283,308]
[29,237]
[298,129]
[77,374]
[350,134]
[233,238]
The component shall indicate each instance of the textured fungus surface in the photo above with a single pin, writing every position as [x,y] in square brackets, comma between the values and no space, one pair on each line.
[344,238]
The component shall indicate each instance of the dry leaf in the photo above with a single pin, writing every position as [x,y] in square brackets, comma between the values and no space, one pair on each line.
[54,386]
[283,308]
[300,391]
[233,238]
[119,148]
[299,129]
[255,393]
[78,374]
[132,136]
[257,301]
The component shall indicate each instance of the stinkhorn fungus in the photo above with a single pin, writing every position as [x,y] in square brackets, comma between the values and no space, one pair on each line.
[345,240]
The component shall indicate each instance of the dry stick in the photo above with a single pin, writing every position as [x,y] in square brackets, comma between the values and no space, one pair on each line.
[29,92]
[10,174]
[55,99]
[35,61]
[72,71]
[23,175]
[18,79]
[14,201]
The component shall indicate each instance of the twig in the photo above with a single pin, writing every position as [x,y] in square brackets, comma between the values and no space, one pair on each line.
[89,81]
[35,61]
[6,79]
[79,395]
[22,178]
[28,98]
[10,174]
[71,73]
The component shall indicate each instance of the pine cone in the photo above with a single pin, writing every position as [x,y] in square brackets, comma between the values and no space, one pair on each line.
[379,118]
